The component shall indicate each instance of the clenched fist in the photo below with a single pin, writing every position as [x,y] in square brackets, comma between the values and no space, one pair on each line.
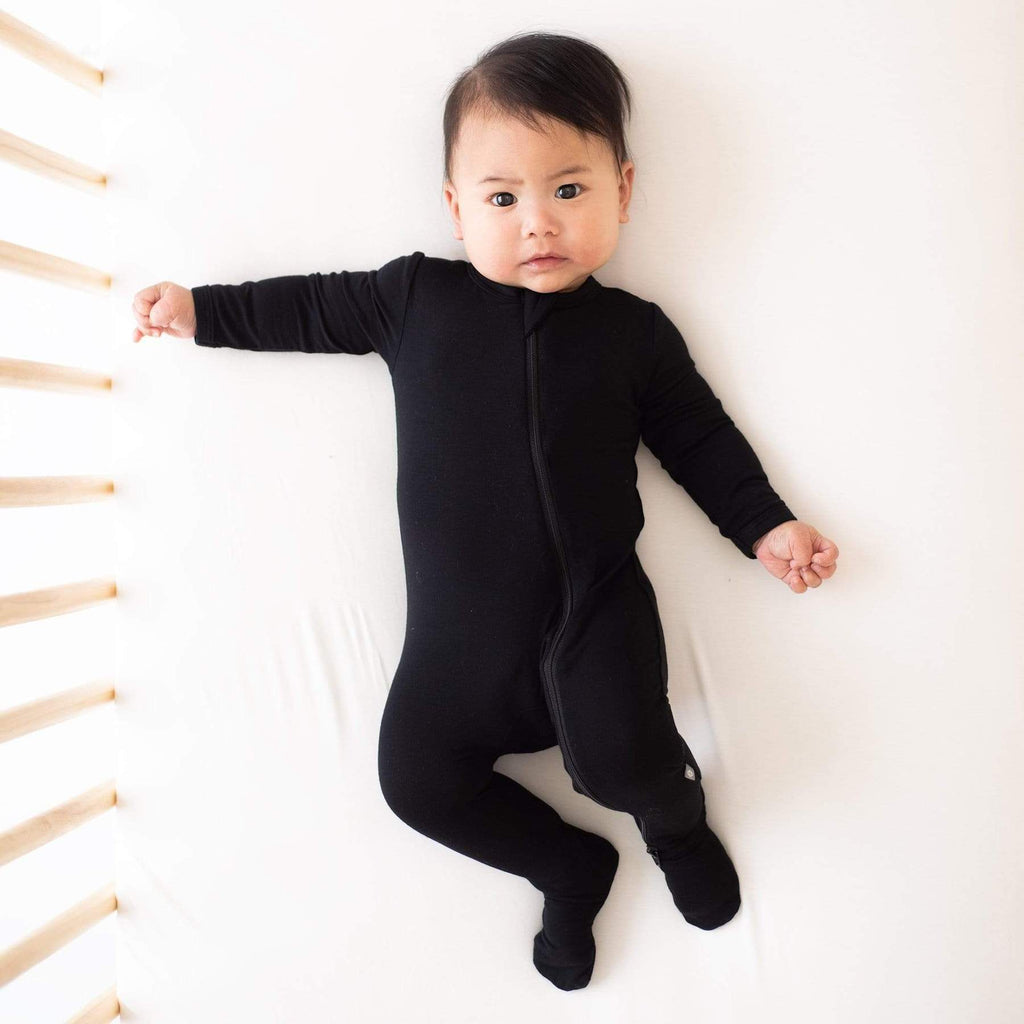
[797,554]
[164,307]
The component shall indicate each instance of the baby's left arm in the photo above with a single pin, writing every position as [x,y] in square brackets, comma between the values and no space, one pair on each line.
[685,426]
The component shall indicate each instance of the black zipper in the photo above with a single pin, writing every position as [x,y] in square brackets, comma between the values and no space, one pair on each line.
[547,663]
[653,851]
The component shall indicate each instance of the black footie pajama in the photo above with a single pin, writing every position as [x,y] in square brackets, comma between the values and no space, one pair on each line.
[530,620]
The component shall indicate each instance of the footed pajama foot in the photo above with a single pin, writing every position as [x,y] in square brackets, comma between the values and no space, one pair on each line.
[564,948]
[701,877]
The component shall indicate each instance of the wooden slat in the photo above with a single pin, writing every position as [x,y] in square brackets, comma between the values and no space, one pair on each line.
[49,54]
[41,604]
[102,1010]
[23,260]
[32,833]
[25,373]
[56,933]
[48,163]
[38,714]
[30,491]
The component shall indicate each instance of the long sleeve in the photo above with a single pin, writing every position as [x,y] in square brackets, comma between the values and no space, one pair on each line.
[353,311]
[685,426]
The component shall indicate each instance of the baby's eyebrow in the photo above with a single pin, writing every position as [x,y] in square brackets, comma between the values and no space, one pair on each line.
[576,169]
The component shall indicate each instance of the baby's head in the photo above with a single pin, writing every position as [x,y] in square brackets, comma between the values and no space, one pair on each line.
[535,160]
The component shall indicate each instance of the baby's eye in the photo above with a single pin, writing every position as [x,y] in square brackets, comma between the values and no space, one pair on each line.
[574,184]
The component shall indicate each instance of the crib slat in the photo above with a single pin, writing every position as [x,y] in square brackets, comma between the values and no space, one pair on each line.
[56,933]
[50,164]
[49,54]
[30,605]
[25,373]
[35,263]
[26,491]
[44,828]
[37,714]
[103,1009]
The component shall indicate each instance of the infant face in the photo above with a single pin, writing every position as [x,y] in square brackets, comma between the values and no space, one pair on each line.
[558,192]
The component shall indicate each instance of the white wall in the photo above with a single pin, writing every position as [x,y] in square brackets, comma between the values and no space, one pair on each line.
[828,205]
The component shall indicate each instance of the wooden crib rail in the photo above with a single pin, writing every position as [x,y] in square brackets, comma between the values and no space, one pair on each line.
[50,164]
[24,260]
[37,714]
[28,491]
[49,54]
[103,1009]
[34,832]
[56,933]
[55,490]
[30,605]
[26,373]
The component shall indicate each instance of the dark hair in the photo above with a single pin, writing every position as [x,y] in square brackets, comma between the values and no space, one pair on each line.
[543,73]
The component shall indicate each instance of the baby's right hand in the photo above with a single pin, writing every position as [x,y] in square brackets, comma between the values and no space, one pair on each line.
[164,307]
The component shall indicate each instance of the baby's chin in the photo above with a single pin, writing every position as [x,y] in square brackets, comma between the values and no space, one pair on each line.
[565,278]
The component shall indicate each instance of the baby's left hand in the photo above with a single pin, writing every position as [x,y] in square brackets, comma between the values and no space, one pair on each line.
[797,554]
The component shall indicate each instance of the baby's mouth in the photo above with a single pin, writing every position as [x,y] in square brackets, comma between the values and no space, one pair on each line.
[544,262]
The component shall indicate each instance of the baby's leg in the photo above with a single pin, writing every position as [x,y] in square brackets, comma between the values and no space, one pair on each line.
[698,870]
[621,746]
[654,776]
[564,950]
[440,736]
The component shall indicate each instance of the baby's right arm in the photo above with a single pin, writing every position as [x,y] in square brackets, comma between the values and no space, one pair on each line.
[354,311]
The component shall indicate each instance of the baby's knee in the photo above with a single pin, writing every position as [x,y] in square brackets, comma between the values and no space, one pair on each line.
[404,785]
[423,787]
[631,784]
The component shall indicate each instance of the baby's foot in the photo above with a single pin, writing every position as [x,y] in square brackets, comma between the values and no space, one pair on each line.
[564,950]
[701,877]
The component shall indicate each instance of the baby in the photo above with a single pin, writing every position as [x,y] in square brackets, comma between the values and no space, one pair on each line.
[522,389]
